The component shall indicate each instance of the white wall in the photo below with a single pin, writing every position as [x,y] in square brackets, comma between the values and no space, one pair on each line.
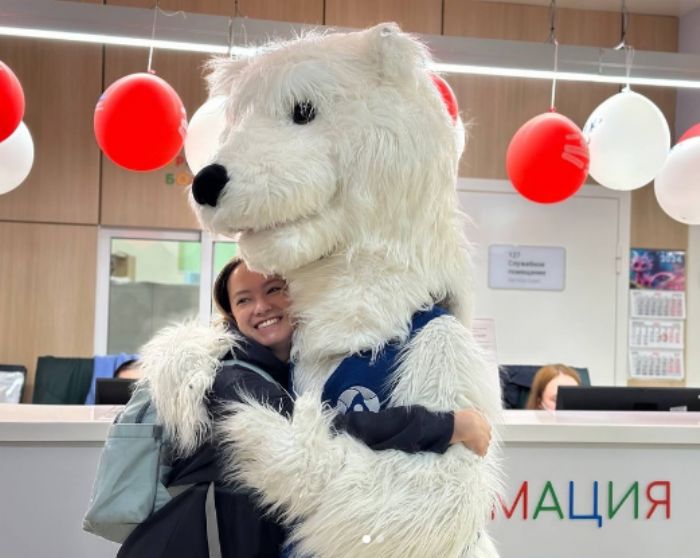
[585,324]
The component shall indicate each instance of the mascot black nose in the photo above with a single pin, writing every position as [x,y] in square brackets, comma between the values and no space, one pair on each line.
[208,183]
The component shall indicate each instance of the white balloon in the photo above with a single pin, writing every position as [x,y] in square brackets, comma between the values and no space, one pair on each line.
[677,186]
[628,139]
[204,133]
[16,158]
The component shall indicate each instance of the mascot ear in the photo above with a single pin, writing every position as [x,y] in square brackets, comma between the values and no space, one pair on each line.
[397,54]
[220,73]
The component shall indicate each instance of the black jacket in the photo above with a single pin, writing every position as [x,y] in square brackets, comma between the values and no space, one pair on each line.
[179,528]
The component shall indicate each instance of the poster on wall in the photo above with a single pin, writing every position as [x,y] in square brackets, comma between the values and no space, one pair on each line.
[659,270]
[657,311]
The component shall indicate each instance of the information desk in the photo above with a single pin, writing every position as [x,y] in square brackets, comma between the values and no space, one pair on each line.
[578,484]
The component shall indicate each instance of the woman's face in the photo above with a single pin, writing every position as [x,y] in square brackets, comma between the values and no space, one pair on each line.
[259,306]
[549,395]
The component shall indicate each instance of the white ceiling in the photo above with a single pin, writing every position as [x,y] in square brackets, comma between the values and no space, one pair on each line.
[657,7]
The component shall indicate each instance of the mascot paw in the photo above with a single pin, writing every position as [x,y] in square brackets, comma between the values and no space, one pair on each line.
[288,462]
[179,366]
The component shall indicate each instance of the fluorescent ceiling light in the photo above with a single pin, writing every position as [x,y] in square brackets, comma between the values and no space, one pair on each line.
[124,26]
[111,40]
[562,76]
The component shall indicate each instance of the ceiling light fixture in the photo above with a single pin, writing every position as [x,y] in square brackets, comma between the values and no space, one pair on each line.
[125,26]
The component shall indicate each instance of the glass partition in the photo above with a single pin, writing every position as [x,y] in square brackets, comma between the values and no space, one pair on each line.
[152,283]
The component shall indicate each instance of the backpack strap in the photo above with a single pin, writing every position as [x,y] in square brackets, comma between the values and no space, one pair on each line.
[251,367]
[213,541]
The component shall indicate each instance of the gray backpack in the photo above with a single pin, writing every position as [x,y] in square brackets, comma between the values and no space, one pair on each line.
[130,484]
[134,465]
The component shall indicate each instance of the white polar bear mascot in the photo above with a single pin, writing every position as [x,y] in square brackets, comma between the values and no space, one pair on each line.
[338,170]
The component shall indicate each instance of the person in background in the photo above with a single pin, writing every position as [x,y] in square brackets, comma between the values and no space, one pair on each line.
[545,385]
[129,369]
[255,306]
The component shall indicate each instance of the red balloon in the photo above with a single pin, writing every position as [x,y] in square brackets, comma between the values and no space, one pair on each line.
[140,122]
[448,97]
[690,133]
[11,102]
[547,159]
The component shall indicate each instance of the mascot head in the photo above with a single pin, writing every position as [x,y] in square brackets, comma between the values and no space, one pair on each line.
[334,143]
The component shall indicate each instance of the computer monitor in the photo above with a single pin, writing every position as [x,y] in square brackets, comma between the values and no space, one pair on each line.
[113,391]
[605,398]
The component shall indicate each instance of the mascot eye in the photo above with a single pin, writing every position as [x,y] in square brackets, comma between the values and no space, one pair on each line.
[303,113]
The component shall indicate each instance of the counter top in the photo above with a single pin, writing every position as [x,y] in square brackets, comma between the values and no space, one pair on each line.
[76,423]
[598,427]
[56,423]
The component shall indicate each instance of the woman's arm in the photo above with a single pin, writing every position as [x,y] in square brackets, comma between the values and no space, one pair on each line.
[234,381]
[414,429]
[408,429]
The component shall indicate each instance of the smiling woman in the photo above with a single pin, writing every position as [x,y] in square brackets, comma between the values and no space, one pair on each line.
[257,305]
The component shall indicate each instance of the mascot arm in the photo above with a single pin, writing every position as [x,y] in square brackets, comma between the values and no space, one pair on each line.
[443,367]
[280,458]
[407,429]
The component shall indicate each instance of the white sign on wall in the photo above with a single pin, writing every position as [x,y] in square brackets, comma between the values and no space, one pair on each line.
[527,267]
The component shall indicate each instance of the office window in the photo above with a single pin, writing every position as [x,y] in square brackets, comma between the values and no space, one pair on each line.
[148,279]
[152,283]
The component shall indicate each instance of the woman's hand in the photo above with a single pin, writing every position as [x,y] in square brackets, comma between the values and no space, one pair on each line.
[473,430]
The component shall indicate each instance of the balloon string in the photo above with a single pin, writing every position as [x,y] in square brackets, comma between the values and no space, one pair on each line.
[629,50]
[157,9]
[553,40]
[153,36]
[230,36]
[554,79]
[629,58]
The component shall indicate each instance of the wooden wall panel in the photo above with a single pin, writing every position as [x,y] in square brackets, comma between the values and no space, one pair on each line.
[158,199]
[48,292]
[491,20]
[297,11]
[651,227]
[63,185]
[497,107]
[416,16]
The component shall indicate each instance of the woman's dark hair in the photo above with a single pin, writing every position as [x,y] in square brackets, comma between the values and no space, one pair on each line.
[221,298]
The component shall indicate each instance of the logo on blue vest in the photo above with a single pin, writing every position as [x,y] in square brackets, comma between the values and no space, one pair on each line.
[357,398]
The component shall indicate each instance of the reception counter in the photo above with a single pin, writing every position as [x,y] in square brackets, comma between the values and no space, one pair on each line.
[578,484]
